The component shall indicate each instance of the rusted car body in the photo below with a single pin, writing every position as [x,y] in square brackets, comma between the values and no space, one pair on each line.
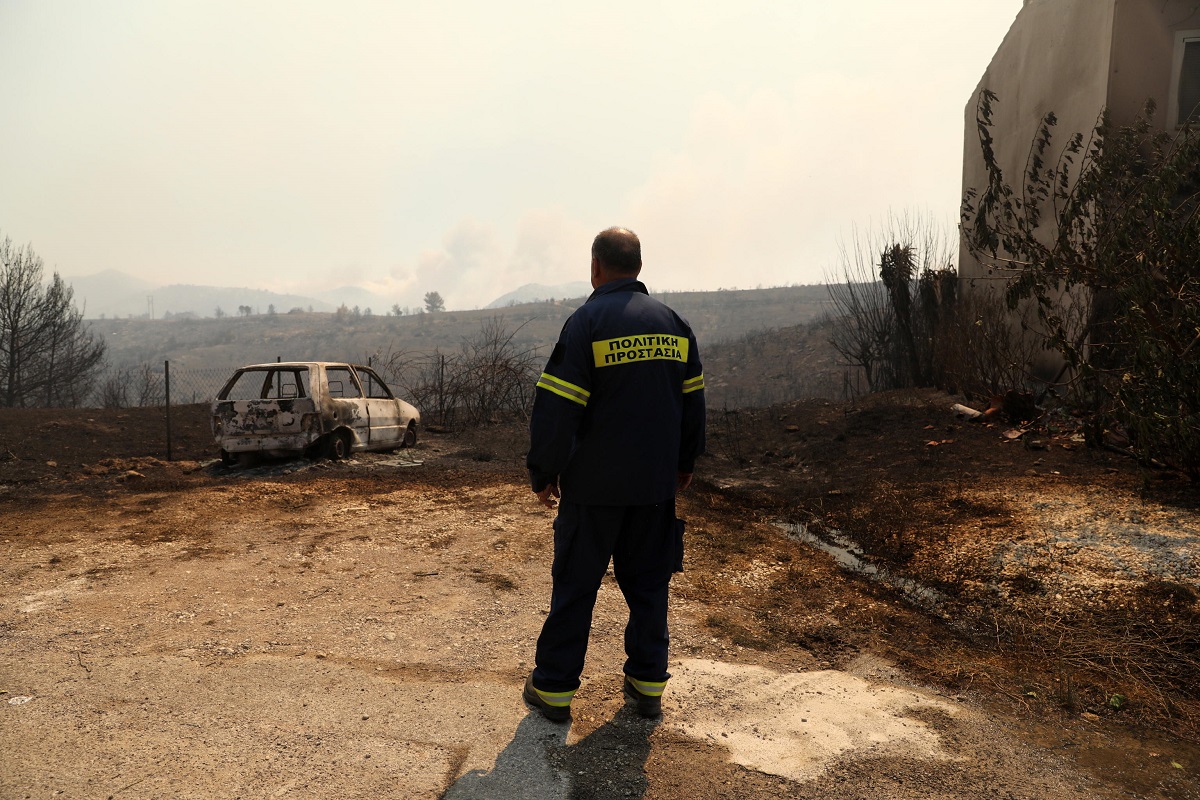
[314,408]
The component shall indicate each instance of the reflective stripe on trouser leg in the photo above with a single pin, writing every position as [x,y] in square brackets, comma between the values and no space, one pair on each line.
[556,699]
[650,689]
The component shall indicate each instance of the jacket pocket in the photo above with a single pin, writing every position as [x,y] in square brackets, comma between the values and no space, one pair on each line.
[677,561]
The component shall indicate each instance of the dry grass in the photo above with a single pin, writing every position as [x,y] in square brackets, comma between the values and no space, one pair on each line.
[1128,664]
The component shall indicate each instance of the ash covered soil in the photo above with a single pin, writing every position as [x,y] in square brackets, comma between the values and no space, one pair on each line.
[363,628]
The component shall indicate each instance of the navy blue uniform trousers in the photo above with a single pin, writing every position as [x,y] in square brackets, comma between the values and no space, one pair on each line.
[641,542]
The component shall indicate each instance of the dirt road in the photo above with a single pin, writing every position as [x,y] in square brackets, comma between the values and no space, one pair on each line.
[362,629]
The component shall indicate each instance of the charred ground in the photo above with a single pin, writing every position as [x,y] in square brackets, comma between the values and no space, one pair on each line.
[1056,584]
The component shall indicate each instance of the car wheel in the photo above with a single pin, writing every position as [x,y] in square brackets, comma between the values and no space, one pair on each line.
[410,435]
[227,458]
[337,447]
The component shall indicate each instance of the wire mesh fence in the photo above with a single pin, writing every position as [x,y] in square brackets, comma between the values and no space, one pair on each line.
[144,385]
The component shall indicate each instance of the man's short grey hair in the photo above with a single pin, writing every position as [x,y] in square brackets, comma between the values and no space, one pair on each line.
[618,249]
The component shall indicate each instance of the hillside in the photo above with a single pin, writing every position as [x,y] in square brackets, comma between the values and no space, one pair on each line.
[790,357]
[775,366]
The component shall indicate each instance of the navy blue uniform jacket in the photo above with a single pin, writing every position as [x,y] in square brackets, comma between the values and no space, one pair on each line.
[619,410]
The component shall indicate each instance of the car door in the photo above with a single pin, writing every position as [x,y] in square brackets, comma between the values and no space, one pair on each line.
[387,423]
[345,397]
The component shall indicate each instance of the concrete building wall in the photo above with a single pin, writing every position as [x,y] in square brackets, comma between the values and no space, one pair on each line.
[1075,58]
[1056,57]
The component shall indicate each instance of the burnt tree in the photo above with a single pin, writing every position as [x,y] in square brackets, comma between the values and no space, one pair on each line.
[48,356]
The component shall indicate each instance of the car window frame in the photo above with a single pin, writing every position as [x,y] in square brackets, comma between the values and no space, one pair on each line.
[349,370]
[374,378]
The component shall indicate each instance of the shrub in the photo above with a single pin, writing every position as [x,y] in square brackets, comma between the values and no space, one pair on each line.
[886,323]
[1111,224]
[489,376]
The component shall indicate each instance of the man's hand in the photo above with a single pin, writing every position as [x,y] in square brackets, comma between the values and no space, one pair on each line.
[682,481]
[549,496]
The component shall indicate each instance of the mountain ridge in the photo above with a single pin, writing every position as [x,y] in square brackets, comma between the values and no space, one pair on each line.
[539,292]
[114,294]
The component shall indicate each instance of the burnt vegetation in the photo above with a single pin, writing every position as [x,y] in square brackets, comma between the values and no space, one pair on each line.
[1092,267]
[1099,244]
[48,355]
[490,376]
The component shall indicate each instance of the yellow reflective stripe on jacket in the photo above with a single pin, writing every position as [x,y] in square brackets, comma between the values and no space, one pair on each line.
[644,347]
[648,688]
[693,384]
[561,388]
[556,699]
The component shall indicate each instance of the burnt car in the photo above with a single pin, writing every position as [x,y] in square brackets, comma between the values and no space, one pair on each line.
[312,408]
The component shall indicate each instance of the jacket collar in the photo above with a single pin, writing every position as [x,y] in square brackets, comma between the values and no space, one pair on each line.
[619,285]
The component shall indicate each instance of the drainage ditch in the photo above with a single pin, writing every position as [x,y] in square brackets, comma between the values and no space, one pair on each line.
[850,557]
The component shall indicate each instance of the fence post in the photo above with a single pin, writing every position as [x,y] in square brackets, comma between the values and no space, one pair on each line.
[167,391]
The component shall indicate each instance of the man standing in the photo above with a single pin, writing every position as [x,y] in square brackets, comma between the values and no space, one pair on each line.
[618,421]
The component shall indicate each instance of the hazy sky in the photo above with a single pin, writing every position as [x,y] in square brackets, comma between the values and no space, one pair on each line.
[470,147]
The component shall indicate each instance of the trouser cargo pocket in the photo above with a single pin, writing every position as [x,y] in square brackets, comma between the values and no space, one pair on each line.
[677,560]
